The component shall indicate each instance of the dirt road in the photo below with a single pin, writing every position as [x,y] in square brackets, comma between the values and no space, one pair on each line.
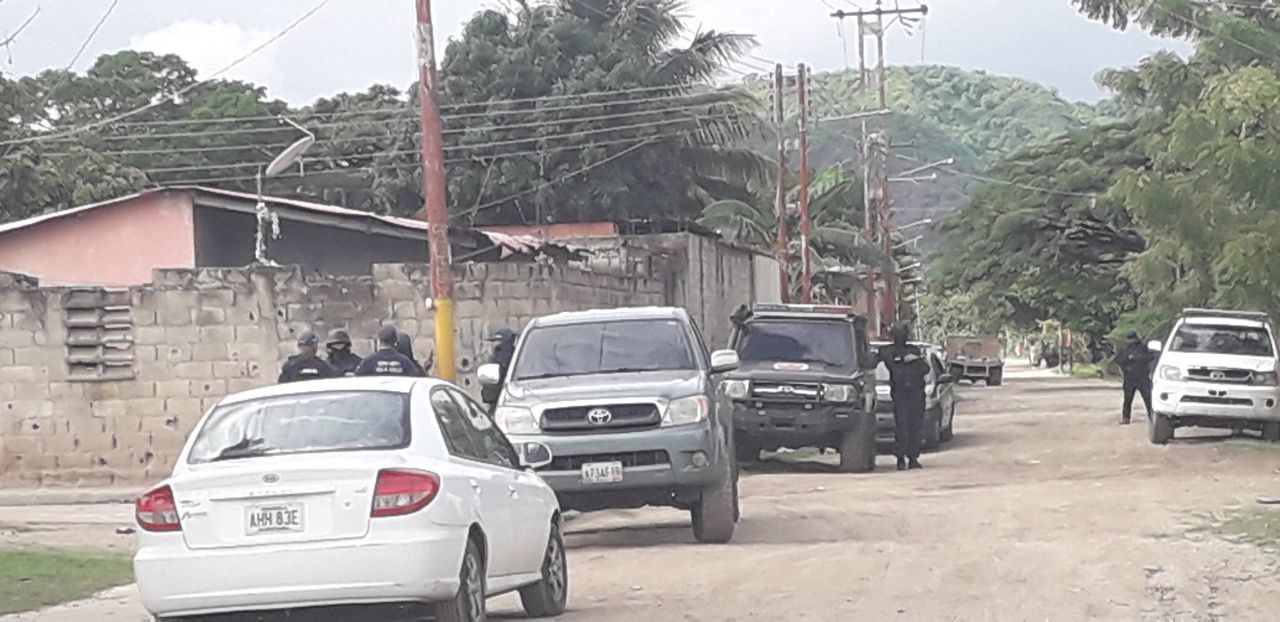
[1041,509]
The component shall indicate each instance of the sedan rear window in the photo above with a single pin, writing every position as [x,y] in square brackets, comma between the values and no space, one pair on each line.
[304,423]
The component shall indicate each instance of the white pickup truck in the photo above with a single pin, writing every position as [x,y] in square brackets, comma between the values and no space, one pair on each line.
[1217,370]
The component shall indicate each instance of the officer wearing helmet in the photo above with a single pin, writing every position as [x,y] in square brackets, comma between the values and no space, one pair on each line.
[341,358]
[907,372]
[306,365]
[404,345]
[504,348]
[388,361]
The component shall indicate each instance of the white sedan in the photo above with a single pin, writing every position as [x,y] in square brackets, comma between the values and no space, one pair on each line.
[395,497]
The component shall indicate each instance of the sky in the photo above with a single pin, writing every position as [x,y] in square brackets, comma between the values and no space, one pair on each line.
[350,44]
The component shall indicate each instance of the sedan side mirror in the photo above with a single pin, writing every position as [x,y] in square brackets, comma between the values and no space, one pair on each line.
[1155,346]
[946,379]
[489,374]
[534,455]
[724,360]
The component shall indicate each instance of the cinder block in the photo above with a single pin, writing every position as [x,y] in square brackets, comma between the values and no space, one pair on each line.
[149,335]
[173,388]
[31,391]
[229,370]
[149,407]
[221,335]
[20,373]
[174,316]
[174,353]
[209,388]
[134,389]
[209,351]
[193,371]
[216,299]
[17,338]
[6,356]
[244,384]
[183,407]
[210,317]
[244,351]
[175,334]
[144,354]
[109,409]
[250,334]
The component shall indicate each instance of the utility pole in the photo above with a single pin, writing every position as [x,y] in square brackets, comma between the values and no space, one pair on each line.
[433,187]
[806,281]
[875,157]
[779,118]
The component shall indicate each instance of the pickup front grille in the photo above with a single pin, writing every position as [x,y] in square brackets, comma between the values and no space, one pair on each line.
[601,418]
[1217,401]
[786,392]
[628,460]
[1207,374]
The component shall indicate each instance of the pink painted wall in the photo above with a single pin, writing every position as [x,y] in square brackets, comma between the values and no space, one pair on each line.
[113,245]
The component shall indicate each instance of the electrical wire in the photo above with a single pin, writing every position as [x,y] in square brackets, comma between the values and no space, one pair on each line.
[178,93]
[1002,182]
[23,26]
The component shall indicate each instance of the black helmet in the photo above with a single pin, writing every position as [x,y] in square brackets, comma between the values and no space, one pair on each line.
[404,343]
[338,337]
[901,332]
[503,334]
[387,335]
[308,338]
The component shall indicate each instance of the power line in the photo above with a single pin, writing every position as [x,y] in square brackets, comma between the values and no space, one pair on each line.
[14,37]
[180,92]
[542,186]
[1002,182]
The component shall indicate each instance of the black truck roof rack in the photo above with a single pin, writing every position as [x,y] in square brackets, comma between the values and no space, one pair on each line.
[1223,313]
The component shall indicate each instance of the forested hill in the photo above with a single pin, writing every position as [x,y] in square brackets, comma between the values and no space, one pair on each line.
[941,112]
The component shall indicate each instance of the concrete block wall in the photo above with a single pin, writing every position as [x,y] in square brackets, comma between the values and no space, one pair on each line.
[198,335]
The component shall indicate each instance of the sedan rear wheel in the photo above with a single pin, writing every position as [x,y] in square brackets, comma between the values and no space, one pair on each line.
[548,597]
[468,605]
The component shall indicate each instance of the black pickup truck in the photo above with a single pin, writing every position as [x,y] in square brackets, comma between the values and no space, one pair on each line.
[806,379]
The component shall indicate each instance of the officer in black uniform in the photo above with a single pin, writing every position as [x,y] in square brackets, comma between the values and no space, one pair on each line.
[1135,365]
[387,361]
[504,348]
[907,372]
[341,358]
[404,345]
[305,365]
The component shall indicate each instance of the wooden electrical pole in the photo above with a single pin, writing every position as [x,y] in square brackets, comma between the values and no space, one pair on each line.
[779,118]
[806,278]
[433,189]
[875,160]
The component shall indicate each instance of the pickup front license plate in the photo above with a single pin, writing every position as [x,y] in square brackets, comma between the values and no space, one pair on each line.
[602,472]
[275,518]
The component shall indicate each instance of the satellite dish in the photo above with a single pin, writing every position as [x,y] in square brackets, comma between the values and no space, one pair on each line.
[289,156]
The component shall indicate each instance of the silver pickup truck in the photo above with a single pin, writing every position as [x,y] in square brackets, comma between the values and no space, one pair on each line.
[629,402]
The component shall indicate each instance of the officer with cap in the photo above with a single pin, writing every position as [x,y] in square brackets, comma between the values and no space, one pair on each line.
[404,345]
[341,358]
[907,371]
[305,365]
[504,348]
[387,361]
[1135,362]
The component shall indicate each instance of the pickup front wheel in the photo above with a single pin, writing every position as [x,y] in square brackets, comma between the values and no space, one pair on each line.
[858,448]
[1160,429]
[715,515]
[747,449]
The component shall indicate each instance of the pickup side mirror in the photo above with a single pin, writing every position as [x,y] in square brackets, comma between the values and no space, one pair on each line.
[1155,346]
[534,455]
[724,360]
[489,374]
[946,379]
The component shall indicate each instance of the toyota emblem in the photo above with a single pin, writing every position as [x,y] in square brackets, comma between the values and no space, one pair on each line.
[1217,375]
[270,478]
[786,389]
[599,416]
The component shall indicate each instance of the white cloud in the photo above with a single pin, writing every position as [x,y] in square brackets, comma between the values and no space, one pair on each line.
[210,46]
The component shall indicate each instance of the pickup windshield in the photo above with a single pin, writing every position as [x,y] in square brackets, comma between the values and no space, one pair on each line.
[304,423]
[604,348]
[1214,339]
[798,341]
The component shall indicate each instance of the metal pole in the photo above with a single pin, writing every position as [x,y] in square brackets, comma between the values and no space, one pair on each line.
[880,70]
[862,56]
[433,187]
[779,118]
[806,281]
[869,216]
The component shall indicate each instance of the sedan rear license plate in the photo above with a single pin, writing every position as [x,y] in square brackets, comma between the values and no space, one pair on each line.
[275,518]
[602,472]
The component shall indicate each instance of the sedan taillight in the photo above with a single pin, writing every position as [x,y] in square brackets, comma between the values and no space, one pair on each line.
[156,511]
[399,491]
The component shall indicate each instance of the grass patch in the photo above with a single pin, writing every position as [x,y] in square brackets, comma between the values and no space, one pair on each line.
[1252,444]
[1260,527]
[32,579]
[1087,371]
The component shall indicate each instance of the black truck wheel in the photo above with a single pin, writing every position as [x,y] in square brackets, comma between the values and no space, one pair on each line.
[933,428]
[1161,429]
[747,448]
[996,377]
[858,448]
[1271,431]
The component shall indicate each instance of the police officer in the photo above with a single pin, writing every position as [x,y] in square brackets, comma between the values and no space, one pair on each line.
[404,345]
[387,361]
[504,348]
[305,365]
[341,358]
[907,371]
[1135,361]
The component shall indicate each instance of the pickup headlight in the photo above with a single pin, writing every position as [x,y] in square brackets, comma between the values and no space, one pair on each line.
[515,420]
[1266,378]
[1169,372]
[686,410]
[837,392]
[736,389]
